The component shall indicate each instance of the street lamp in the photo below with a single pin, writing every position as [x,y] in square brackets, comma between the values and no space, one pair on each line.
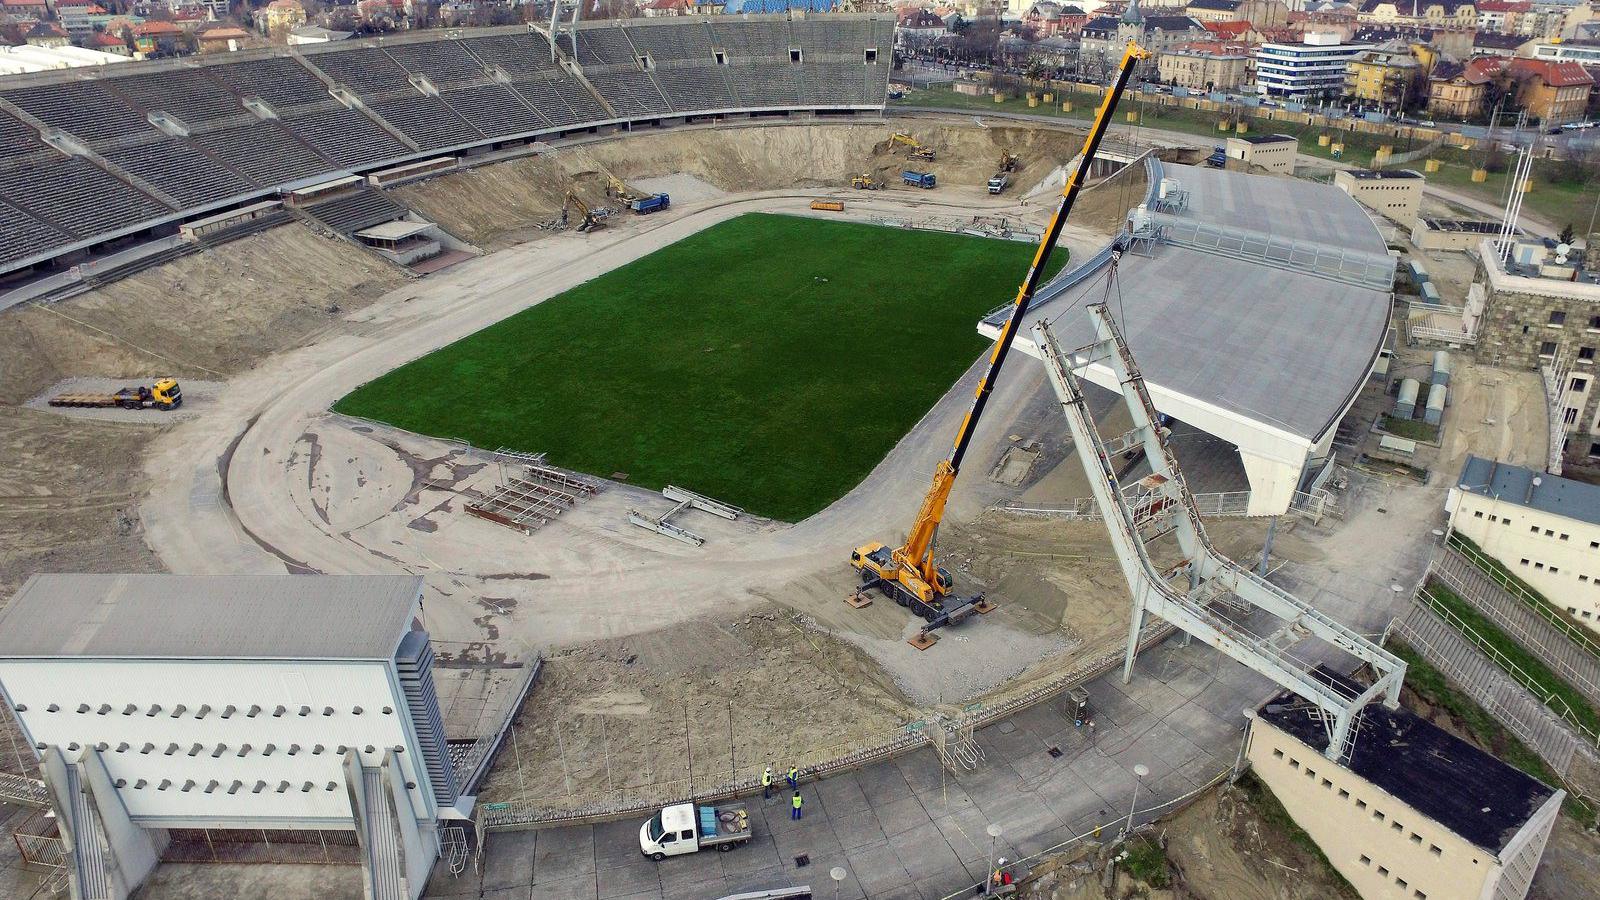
[837,873]
[994,833]
[1139,773]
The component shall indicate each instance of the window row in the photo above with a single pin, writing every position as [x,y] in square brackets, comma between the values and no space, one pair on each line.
[1377,814]
[1383,872]
[216,752]
[204,709]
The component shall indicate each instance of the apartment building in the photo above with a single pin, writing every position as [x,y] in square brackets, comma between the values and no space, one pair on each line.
[1416,814]
[1312,70]
[1206,65]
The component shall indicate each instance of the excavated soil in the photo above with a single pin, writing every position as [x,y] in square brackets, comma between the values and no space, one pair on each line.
[498,205]
[69,487]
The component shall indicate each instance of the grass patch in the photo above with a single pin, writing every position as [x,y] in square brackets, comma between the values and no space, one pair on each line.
[1279,821]
[1549,684]
[768,361]
[1412,429]
[1145,860]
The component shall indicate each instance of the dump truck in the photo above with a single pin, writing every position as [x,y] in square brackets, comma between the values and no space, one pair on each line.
[653,203]
[865,182]
[998,182]
[691,827]
[923,180]
[164,394]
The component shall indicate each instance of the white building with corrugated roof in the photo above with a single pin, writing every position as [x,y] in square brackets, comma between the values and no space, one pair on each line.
[290,702]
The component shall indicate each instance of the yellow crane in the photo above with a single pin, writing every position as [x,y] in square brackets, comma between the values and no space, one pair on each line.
[918,150]
[573,202]
[908,573]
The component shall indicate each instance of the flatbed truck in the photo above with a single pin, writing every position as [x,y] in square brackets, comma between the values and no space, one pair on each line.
[691,827]
[165,394]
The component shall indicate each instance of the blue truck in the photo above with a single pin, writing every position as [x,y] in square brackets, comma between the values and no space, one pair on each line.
[650,204]
[923,180]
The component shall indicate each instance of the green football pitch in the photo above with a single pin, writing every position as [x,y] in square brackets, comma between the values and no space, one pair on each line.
[769,361]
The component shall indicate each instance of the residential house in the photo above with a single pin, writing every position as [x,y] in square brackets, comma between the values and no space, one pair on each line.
[1554,92]
[280,17]
[1261,13]
[1487,43]
[47,34]
[1104,38]
[1387,75]
[1457,91]
[1461,13]
[107,42]
[1057,52]
[919,28]
[667,8]
[154,37]
[30,9]
[222,38]
[1501,16]
[1049,18]
[1205,65]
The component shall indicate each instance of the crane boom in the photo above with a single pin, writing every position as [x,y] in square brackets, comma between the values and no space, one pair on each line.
[910,572]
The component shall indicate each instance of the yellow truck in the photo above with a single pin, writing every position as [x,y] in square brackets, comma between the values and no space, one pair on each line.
[165,394]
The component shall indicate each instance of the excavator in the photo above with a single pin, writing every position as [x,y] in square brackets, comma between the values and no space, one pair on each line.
[1008,162]
[616,187]
[590,220]
[918,151]
[909,574]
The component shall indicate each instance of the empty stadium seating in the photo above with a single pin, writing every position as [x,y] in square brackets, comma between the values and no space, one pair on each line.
[352,212]
[248,125]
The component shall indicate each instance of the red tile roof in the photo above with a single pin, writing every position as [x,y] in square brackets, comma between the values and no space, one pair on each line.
[1227,29]
[1551,72]
[156,29]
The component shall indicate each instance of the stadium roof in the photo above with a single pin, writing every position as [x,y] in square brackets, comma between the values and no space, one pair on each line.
[210,616]
[1515,485]
[1274,345]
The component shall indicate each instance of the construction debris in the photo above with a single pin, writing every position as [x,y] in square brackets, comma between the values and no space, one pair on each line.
[534,497]
[685,499]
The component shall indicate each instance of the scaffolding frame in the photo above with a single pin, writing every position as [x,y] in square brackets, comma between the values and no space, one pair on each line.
[1160,504]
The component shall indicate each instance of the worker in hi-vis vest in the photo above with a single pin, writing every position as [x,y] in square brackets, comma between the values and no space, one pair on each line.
[797,801]
[766,784]
[793,777]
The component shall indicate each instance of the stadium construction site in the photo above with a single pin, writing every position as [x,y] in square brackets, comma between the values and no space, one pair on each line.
[632,604]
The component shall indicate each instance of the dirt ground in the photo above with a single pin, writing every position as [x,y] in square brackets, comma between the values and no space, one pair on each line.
[69,488]
[1218,848]
[712,698]
[497,206]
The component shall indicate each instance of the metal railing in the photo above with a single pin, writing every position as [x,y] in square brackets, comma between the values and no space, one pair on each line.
[1315,258]
[1544,608]
[1551,701]
[1314,505]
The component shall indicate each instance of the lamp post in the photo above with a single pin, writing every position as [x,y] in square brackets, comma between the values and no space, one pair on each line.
[837,873]
[1139,773]
[994,833]
[1238,764]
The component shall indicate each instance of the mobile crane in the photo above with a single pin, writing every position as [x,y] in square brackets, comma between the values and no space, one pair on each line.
[909,573]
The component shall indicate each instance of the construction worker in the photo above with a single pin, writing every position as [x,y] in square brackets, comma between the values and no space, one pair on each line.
[793,777]
[766,784]
[1001,878]
[795,813]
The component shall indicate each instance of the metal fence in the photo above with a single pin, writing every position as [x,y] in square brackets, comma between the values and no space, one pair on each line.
[1565,647]
[1314,506]
[1350,266]
[1450,650]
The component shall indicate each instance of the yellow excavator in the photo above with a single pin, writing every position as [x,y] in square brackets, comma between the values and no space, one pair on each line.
[1008,162]
[908,573]
[918,150]
[590,221]
[616,187]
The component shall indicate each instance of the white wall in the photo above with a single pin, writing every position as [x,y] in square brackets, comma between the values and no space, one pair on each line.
[1563,565]
[343,686]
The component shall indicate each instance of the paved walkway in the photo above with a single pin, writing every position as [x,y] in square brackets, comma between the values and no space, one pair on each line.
[908,829]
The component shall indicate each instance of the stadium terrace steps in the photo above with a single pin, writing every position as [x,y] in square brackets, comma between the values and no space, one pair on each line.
[352,212]
[247,125]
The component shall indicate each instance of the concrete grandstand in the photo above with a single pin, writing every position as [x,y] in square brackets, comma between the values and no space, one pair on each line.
[88,161]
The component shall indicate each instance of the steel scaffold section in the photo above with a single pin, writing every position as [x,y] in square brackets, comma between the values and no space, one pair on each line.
[1161,503]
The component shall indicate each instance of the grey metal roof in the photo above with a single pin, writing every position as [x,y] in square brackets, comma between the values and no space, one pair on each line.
[1283,348]
[1514,484]
[210,616]
[1285,207]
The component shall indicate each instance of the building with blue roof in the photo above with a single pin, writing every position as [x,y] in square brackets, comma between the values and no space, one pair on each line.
[1542,527]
